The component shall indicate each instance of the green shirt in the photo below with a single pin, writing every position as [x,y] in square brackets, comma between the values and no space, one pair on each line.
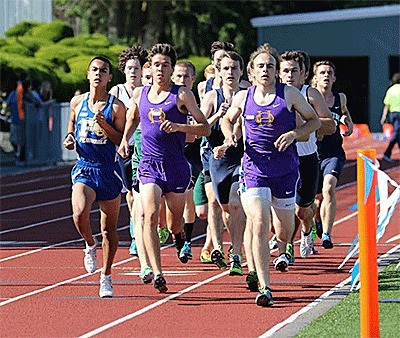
[392,98]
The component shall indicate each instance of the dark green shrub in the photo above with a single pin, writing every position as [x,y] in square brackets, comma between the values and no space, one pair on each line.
[21,28]
[16,48]
[3,42]
[33,43]
[93,40]
[54,31]
[69,83]
[12,64]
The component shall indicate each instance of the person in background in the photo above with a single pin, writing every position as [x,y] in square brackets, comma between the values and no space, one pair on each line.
[331,155]
[391,113]
[130,64]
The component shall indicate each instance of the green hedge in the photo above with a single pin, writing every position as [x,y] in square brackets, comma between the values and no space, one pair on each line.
[54,31]
[13,64]
[88,40]
[49,51]
[22,28]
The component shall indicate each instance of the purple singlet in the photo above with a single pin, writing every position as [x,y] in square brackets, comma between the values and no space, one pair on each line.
[263,125]
[157,143]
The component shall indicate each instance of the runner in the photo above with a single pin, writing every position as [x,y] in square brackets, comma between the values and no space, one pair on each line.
[224,165]
[270,162]
[294,70]
[185,75]
[331,155]
[95,127]
[131,61]
[161,109]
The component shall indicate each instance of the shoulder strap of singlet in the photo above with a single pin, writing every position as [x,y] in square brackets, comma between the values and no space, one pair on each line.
[209,84]
[337,100]
[280,90]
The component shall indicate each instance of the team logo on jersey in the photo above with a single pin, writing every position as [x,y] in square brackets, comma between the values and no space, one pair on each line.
[88,127]
[336,118]
[265,118]
[156,115]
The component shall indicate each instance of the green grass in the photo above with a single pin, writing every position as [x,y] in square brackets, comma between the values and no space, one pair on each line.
[343,320]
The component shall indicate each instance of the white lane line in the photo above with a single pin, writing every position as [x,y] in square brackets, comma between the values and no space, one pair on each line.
[39,179]
[152,306]
[49,287]
[308,307]
[30,252]
[18,194]
[45,222]
[35,206]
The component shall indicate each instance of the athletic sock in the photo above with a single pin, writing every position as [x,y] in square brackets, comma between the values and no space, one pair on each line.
[188,231]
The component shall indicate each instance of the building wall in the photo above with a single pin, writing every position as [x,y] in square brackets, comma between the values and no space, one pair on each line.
[376,38]
[15,11]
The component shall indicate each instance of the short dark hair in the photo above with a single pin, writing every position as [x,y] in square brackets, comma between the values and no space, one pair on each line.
[221,45]
[187,64]
[396,78]
[137,52]
[306,60]
[292,55]
[324,63]
[235,56]
[164,49]
[104,59]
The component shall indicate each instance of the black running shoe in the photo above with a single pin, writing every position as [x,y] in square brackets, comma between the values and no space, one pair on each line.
[252,281]
[160,284]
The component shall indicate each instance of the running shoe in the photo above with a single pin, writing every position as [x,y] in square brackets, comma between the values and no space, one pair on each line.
[90,259]
[133,248]
[163,235]
[147,274]
[252,281]
[179,243]
[326,241]
[319,228]
[306,245]
[106,288]
[186,251]
[273,243]
[218,258]
[236,266]
[205,256]
[265,299]
[290,253]
[160,284]
[282,263]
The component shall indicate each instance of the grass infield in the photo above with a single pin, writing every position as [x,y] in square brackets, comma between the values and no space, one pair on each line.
[343,320]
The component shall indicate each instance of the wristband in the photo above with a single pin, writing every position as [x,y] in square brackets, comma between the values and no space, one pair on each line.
[70,133]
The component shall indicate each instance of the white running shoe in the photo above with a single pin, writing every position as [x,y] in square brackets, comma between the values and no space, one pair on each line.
[106,289]
[306,245]
[90,260]
[273,243]
[282,263]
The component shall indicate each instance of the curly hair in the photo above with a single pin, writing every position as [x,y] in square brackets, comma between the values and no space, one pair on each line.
[164,49]
[137,52]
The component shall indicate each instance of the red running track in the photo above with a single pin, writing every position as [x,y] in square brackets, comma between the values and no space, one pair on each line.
[44,290]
